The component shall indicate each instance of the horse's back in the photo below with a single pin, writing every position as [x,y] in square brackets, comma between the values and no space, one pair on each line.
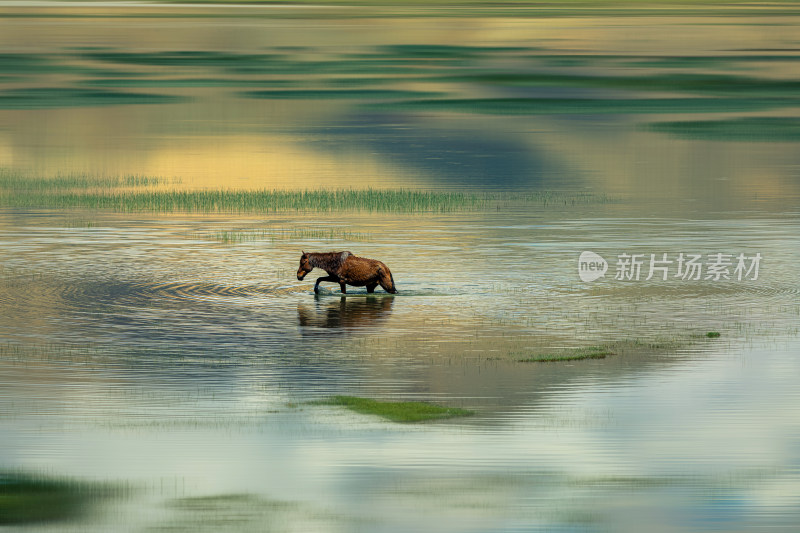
[360,270]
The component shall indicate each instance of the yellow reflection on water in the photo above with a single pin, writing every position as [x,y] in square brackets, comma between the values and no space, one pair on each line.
[250,162]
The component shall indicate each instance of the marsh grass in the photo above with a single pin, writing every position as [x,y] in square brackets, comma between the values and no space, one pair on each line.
[30,498]
[82,223]
[137,194]
[187,83]
[276,61]
[54,97]
[273,234]
[15,182]
[714,84]
[576,354]
[745,129]
[325,94]
[404,412]
[223,201]
[246,512]
[52,353]
[544,106]
[23,63]
[488,346]
[455,78]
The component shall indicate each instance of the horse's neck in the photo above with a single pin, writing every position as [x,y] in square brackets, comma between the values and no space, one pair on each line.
[317,260]
[327,261]
[322,260]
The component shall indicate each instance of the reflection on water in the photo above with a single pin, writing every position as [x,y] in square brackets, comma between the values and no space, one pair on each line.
[555,102]
[345,314]
[139,351]
[187,365]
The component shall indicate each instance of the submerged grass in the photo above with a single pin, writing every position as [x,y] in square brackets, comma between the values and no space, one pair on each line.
[29,498]
[234,236]
[577,354]
[624,347]
[249,512]
[396,411]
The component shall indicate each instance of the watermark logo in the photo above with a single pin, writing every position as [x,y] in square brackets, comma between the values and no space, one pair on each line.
[591,266]
[684,266]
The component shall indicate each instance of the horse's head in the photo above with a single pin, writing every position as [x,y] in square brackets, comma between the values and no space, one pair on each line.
[305,267]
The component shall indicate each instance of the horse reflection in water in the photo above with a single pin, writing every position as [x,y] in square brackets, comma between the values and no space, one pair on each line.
[345,313]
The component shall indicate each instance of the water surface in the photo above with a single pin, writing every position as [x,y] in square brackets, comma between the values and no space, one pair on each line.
[176,354]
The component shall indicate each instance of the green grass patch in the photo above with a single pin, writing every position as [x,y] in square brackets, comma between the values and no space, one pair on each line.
[131,194]
[586,106]
[713,334]
[247,512]
[180,58]
[47,97]
[16,63]
[713,84]
[361,80]
[396,411]
[274,62]
[11,181]
[226,201]
[444,51]
[577,354]
[707,62]
[326,94]
[26,498]
[25,66]
[184,82]
[746,129]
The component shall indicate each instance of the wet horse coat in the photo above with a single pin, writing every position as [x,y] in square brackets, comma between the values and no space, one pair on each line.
[345,268]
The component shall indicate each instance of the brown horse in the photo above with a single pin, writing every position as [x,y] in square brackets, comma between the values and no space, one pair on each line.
[345,268]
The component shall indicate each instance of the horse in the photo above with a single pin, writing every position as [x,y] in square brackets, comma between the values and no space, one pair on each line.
[345,268]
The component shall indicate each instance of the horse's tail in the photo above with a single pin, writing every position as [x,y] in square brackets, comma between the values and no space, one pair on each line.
[385,279]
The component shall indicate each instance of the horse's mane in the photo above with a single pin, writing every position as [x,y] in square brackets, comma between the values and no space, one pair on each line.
[328,261]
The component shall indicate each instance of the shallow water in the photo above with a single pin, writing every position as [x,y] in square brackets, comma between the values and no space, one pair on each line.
[153,355]
[176,354]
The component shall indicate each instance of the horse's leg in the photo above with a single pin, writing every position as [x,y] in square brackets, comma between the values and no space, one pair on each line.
[343,287]
[371,287]
[326,278]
